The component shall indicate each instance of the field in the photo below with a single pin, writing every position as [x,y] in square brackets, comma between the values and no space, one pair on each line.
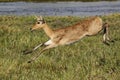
[88,59]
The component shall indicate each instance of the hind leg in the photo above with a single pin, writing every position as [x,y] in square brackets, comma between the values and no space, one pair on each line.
[105,34]
[105,39]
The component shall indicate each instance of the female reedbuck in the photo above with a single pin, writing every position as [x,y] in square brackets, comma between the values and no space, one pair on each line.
[68,35]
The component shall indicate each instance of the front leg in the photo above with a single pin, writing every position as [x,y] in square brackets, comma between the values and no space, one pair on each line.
[49,42]
[44,49]
[30,51]
[38,46]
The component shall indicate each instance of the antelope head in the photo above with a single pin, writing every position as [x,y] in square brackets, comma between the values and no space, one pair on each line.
[39,24]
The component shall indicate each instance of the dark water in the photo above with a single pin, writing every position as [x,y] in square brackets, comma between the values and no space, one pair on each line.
[60,8]
[52,0]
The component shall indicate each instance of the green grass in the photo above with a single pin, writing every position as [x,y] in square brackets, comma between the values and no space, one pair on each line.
[88,59]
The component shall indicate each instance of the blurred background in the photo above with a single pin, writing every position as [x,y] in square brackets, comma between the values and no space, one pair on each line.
[53,0]
[59,7]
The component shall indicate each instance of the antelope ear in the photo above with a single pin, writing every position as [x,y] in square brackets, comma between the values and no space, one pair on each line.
[38,17]
[43,21]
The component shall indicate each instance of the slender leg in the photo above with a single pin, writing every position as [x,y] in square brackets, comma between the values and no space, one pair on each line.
[30,51]
[108,38]
[38,46]
[105,33]
[49,42]
[44,49]
[105,39]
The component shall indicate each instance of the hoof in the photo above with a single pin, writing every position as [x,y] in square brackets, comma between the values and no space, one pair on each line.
[29,61]
[112,41]
[106,43]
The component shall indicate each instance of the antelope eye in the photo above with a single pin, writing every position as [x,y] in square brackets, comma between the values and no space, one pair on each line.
[38,22]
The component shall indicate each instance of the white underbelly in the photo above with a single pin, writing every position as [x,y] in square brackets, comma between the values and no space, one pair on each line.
[48,42]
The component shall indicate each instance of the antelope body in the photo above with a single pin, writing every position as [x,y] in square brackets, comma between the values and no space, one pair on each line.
[68,35]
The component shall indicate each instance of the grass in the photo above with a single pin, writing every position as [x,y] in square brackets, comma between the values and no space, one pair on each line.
[88,59]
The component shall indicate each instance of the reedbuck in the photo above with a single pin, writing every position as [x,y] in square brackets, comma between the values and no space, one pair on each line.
[68,35]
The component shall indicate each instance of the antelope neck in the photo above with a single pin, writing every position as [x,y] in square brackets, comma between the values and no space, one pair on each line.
[48,30]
